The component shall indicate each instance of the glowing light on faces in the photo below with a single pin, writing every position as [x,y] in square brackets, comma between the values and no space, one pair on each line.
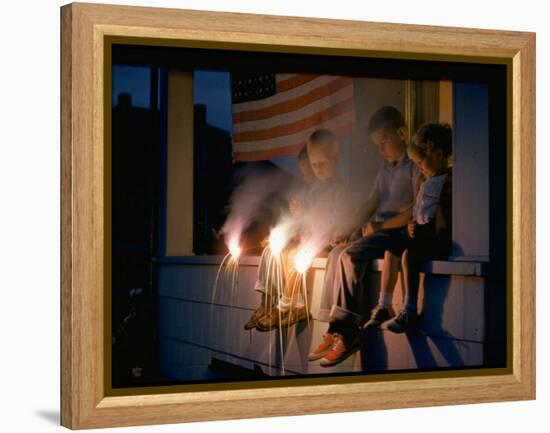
[390,143]
[323,163]
[277,240]
[303,260]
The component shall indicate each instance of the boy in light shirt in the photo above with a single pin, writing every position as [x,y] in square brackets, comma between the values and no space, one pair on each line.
[428,235]
[320,213]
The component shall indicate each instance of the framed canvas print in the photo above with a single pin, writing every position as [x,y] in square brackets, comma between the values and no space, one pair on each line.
[315,215]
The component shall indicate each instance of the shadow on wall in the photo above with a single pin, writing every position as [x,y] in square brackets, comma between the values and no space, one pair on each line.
[297,339]
[374,351]
[445,342]
[431,347]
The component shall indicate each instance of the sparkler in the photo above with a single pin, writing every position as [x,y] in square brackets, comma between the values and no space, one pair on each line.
[276,275]
[303,259]
[302,262]
[286,269]
[277,240]
[229,266]
[234,249]
[280,269]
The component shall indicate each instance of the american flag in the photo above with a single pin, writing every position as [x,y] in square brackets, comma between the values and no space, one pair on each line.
[274,114]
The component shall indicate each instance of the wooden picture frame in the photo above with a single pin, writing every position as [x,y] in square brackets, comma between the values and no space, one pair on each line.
[86,30]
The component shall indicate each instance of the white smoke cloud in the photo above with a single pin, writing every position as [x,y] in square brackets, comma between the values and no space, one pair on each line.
[326,212]
[254,190]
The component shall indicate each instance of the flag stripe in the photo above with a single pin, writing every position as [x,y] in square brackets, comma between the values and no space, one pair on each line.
[300,125]
[280,124]
[283,96]
[288,106]
[298,137]
[294,81]
[302,113]
[294,149]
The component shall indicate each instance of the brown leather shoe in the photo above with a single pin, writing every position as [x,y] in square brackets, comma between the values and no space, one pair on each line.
[271,320]
[295,315]
[256,315]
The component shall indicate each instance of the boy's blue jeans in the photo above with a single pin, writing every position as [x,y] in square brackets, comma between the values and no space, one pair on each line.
[345,290]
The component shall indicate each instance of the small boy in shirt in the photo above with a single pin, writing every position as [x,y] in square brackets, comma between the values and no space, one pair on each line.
[298,194]
[428,233]
[319,211]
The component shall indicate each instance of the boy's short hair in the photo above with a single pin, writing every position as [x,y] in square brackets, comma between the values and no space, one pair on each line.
[324,140]
[302,154]
[387,117]
[434,136]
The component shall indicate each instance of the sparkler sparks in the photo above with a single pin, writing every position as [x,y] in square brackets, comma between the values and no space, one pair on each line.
[229,266]
[234,248]
[282,272]
[277,240]
[302,260]
[276,273]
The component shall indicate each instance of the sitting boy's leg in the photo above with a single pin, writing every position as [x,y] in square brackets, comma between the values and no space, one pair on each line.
[343,336]
[293,302]
[407,319]
[383,309]
[329,297]
[381,240]
[348,265]
[347,311]
[290,304]
[329,294]
[356,261]
[266,284]
[350,285]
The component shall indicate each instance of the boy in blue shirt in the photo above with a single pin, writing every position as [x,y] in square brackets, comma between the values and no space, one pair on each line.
[387,210]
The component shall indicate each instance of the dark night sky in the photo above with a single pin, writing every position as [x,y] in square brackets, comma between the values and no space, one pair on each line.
[212,88]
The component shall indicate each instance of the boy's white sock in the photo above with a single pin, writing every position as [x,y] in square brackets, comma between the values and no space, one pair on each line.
[298,304]
[298,301]
[284,303]
[384,299]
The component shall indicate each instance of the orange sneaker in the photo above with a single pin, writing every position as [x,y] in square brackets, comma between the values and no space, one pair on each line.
[341,349]
[323,348]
